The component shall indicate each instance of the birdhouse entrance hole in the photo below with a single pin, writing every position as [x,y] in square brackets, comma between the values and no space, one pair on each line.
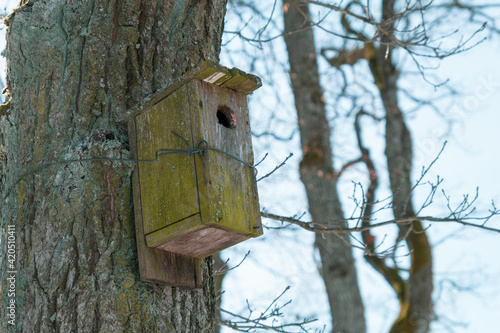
[226,117]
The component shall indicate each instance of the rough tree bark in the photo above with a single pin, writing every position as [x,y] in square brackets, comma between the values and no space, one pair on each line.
[317,173]
[219,273]
[75,69]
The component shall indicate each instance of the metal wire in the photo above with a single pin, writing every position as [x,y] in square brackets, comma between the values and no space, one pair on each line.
[200,147]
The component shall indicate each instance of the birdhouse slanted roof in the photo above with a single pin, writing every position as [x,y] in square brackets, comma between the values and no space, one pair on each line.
[207,71]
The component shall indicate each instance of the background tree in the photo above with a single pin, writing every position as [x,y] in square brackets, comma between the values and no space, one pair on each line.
[414,295]
[377,34]
[317,173]
[75,69]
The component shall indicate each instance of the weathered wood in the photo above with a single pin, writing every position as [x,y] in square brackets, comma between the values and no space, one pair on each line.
[227,187]
[242,82]
[207,240]
[200,204]
[207,71]
[156,265]
[171,175]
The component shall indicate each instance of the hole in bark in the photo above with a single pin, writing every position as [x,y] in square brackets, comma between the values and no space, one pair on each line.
[226,117]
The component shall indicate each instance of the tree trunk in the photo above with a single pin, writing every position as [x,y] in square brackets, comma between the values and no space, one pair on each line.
[317,173]
[220,269]
[75,70]
[416,301]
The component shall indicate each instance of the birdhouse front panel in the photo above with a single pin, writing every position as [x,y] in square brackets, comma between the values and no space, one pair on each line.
[199,204]
[170,176]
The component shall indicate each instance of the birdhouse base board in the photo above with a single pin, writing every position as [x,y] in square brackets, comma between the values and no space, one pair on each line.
[209,240]
[174,230]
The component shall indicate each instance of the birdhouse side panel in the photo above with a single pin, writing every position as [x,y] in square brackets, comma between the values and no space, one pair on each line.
[227,188]
[168,185]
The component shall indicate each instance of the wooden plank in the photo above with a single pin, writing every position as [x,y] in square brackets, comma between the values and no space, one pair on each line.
[174,230]
[213,73]
[242,82]
[208,71]
[203,242]
[227,189]
[168,185]
[156,265]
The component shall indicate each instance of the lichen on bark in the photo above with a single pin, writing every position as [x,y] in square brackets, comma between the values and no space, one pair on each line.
[75,70]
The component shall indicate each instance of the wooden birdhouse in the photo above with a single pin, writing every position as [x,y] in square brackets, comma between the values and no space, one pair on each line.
[197,194]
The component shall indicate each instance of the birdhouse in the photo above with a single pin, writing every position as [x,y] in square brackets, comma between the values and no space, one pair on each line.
[194,186]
